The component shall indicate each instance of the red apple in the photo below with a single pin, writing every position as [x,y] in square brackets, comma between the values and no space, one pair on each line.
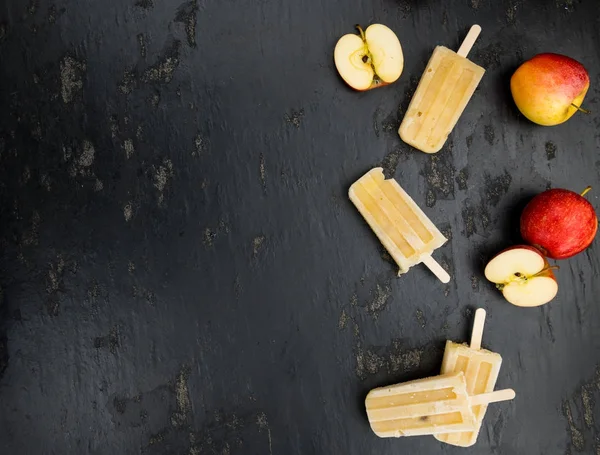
[561,223]
[523,275]
[549,88]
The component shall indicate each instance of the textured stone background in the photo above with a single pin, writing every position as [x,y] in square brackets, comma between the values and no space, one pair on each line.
[182,272]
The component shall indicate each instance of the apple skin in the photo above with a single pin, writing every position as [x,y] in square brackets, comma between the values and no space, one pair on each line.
[561,223]
[375,84]
[545,87]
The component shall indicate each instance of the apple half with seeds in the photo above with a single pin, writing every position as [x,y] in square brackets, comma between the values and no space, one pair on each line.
[523,275]
[371,60]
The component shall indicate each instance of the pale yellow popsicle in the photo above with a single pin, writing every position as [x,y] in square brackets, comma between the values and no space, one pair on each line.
[404,230]
[481,368]
[425,406]
[445,88]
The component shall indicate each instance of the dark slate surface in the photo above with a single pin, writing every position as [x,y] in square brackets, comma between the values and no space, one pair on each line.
[182,272]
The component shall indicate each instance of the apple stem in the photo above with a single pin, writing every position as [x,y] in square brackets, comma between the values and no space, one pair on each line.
[586,191]
[550,267]
[579,108]
[362,33]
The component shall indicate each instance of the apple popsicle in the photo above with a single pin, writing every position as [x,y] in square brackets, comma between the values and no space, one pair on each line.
[443,92]
[426,406]
[481,368]
[404,230]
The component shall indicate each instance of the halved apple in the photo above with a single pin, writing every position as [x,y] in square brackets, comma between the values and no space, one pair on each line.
[371,60]
[523,275]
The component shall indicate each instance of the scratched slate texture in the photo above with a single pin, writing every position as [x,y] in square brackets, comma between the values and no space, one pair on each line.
[181,270]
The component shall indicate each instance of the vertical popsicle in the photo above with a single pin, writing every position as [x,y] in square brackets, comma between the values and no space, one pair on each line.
[481,368]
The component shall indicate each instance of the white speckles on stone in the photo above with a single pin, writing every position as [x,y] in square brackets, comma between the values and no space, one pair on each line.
[67,152]
[55,273]
[129,148]
[114,127]
[263,173]
[26,175]
[162,176]
[128,211]
[155,99]
[86,159]
[163,70]
[72,72]
[128,83]
[182,396]
[46,182]
[199,145]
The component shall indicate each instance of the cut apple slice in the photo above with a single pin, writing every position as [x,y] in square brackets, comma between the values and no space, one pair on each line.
[386,52]
[371,60]
[352,62]
[523,275]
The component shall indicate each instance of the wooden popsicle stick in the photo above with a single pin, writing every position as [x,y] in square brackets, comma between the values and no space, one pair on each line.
[436,269]
[467,44]
[477,333]
[492,397]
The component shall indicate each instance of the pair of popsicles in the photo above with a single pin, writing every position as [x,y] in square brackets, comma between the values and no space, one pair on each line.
[450,406]
[443,93]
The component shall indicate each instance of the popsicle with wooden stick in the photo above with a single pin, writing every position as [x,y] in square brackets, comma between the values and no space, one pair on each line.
[405,231]
[427,406]
[446,86]
[480,367]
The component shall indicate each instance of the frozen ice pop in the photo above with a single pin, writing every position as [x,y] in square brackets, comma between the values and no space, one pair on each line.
[426,406]
[481,368]
[405,231]
[445,88]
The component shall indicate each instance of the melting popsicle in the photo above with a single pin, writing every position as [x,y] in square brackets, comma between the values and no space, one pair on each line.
[446,87]
[404,230]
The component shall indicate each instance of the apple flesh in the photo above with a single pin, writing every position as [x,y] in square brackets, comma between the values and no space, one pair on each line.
[371,60]
[523,275]
[561,223]
[549,88]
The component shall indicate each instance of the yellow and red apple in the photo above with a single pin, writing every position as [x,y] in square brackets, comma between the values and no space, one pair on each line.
[371,60]
[561,223]
[523,275]
[549,88]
